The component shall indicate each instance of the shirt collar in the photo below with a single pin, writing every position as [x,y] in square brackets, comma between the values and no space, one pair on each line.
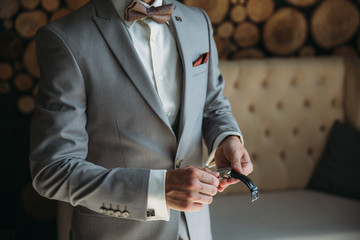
[120,6]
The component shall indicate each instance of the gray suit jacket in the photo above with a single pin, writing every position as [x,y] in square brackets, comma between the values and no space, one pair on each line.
[99,124]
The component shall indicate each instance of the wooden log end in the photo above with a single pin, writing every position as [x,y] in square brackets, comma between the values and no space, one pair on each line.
[50,5]
[238,14]
[260,10]
[8,8]
[302,3]
[29,4]
[75,4]
[6,71]
[59,13]
[26,104]
[225,29]
[30,60]
[23,82]
[27,23]
[345,51]
[246,34]
[216,9]
[285,32]
[220,45]
[331,27]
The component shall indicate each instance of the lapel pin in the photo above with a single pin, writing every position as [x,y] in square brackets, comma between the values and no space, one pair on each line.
[178,18]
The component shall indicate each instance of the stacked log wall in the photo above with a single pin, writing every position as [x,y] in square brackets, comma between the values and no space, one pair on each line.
[283,28]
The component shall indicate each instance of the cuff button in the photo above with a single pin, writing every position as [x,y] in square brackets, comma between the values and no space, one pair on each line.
[103,210]
[110,212]
[118,213]
[126,214]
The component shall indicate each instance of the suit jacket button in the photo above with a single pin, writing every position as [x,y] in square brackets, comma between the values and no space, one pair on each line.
[118,213]
[126,214]
[178,163]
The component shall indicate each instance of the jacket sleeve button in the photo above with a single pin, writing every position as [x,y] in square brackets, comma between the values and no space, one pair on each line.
[126,214]
[103,210]
[110,212]
[118,213]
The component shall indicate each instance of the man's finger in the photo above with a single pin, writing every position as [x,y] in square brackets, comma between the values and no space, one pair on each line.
[180,205]
[226,182]
[204,199]
[215,174]
[247,166]
[208,189]
[235,160]
[208,177]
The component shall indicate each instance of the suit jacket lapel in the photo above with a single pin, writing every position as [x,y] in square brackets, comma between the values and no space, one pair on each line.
[180,33]
[117,37]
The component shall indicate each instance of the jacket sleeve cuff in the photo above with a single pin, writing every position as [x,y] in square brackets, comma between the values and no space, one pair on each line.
[210,163]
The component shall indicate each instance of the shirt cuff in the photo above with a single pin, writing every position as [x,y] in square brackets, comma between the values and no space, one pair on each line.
[210,163]
[156,204]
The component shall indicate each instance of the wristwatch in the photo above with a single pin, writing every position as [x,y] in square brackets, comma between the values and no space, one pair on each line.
[230,173]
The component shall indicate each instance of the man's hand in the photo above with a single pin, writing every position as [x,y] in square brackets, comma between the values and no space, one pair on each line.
[187,189]
[231,153]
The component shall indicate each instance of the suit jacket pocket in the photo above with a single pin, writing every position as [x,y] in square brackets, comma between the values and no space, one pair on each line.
[200,69]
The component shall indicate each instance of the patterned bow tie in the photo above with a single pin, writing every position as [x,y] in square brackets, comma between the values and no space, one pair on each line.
[136,10]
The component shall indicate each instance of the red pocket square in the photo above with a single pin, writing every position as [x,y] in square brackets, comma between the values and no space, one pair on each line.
[202,59]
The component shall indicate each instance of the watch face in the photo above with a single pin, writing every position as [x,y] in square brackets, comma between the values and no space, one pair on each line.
[224,172]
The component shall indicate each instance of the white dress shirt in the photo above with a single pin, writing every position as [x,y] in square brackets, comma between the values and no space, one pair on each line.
[157,50]
[156,47]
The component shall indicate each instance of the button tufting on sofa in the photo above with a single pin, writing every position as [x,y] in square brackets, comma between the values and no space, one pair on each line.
[322,128]
[267,132]
[285,108]
[334,102]
[322,80]
[295,131]
[294,81]
[307,102]
[310,151]
[236,85]
[251,108]
[282,155]
[264,83]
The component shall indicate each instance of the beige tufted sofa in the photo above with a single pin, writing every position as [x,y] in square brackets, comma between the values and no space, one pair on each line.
[286,108]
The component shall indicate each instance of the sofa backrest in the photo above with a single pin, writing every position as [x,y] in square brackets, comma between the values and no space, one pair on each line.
[286,108]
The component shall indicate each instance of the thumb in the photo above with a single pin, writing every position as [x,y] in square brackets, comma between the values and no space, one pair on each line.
[236,166]
[236,162]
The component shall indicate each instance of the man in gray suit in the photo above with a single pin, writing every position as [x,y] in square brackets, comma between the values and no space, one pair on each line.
[127,91]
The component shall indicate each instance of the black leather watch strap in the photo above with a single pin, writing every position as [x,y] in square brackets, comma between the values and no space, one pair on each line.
[253,189]
[243,178]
